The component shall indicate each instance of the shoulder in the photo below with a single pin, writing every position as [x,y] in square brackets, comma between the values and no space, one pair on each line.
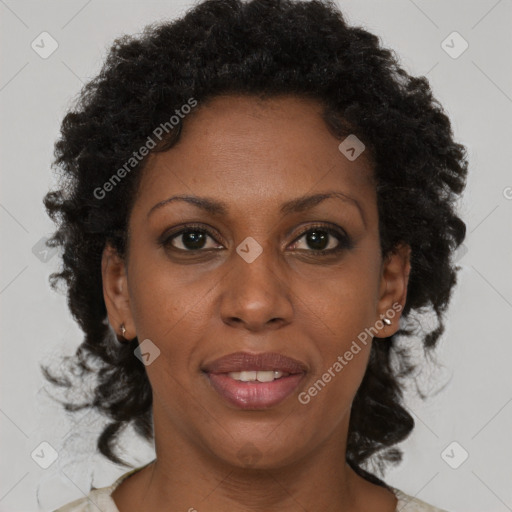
[98,499]
[408,503]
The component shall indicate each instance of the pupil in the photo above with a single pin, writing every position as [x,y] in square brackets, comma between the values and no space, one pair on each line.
[317,239]
[193,240]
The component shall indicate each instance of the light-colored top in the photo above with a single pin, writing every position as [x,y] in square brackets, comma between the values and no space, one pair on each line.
[100,500]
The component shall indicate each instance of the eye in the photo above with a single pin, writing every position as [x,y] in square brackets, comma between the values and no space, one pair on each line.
[323,240]
[319,239]
[190,239]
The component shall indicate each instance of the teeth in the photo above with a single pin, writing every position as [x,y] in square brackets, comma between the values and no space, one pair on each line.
[260,376]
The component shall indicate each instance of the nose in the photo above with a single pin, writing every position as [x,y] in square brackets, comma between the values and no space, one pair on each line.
[256,295]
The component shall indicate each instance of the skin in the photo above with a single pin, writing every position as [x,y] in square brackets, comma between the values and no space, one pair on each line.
[253,155]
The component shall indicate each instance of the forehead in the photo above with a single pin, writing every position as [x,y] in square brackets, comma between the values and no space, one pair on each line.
[245,150]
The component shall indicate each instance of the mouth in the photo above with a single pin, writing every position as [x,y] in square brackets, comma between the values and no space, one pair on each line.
[255,381]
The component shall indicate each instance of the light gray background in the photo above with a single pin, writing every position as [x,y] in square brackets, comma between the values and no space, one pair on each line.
[475,408]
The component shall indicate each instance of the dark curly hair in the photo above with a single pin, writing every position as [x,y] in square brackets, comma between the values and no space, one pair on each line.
[264,48]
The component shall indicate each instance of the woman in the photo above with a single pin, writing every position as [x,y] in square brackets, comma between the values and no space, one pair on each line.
[255,199]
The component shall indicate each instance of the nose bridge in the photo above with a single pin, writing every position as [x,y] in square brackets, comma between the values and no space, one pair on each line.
[255,291]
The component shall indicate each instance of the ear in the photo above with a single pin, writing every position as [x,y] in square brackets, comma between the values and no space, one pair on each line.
[115,293]
[395,270]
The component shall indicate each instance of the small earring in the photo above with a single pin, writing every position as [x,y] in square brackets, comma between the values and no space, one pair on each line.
[123,330]
[386,320]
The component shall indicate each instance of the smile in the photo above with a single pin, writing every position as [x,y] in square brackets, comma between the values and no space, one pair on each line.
[254,393]
[260,376]
[255,381]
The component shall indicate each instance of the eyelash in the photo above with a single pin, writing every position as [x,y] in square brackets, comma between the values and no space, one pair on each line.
[345,243]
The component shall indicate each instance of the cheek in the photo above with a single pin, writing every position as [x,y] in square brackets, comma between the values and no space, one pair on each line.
[339,304]
[165,300]
[338,317]
[342,345]
[168,309]
[339,369]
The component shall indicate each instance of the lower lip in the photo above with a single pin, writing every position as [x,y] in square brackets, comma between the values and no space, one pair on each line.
[254,395]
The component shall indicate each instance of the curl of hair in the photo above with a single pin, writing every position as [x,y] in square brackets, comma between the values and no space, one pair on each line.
[264,48]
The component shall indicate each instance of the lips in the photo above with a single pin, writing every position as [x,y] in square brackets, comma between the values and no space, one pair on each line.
[254,395]
[244,361]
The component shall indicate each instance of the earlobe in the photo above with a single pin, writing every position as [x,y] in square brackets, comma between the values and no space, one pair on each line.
[115,293]
[393,288]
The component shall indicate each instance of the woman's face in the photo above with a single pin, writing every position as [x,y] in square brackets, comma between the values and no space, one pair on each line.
[269,272]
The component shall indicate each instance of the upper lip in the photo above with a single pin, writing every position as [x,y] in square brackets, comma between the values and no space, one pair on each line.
[245,361]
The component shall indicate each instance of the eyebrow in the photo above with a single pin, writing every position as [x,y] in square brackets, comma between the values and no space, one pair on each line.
[299,204]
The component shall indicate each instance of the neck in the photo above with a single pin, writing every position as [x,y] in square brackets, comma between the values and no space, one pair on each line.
[298,486]
[189,477]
